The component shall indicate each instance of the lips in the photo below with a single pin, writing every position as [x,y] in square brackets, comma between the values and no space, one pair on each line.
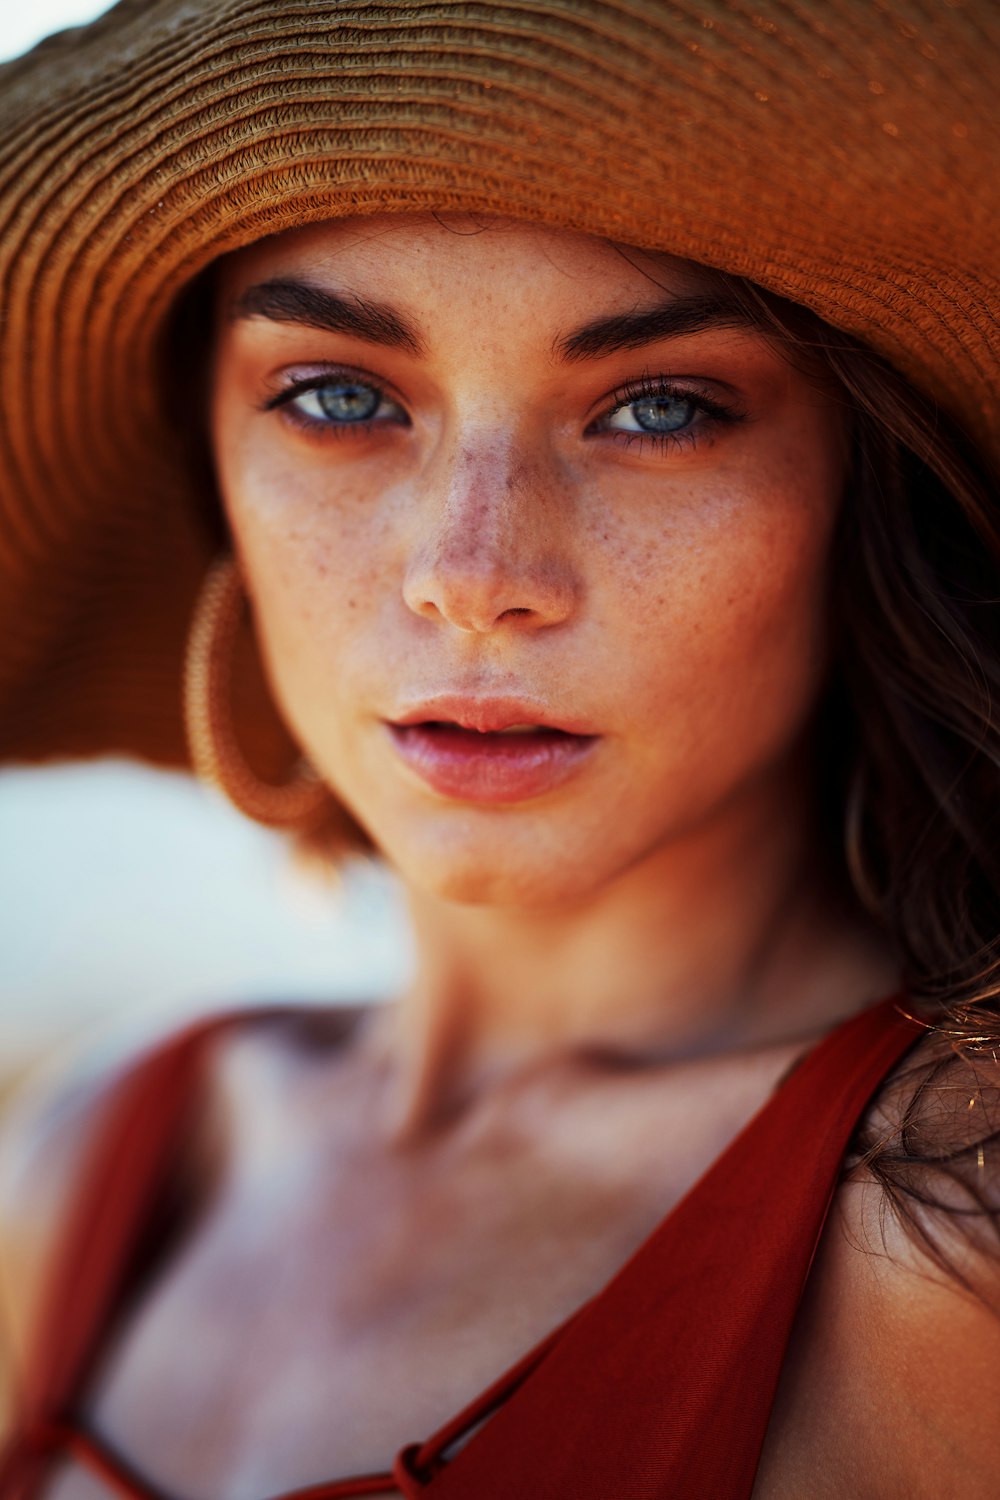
[490,751]
[489,715]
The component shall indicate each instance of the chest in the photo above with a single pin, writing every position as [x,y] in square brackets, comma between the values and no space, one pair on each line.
[334,1302]
[301,1336]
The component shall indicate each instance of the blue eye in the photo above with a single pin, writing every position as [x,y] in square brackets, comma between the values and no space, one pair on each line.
[347,401]
[654,411]
[656,414]
[335,404]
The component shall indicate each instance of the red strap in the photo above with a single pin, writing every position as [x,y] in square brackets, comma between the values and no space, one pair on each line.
[113,1199]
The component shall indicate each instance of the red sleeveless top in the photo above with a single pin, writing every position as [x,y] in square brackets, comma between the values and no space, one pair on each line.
[658,1388]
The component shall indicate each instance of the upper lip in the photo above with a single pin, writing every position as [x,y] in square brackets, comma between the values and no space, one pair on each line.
[487,714]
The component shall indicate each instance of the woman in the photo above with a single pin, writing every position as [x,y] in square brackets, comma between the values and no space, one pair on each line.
[614,504]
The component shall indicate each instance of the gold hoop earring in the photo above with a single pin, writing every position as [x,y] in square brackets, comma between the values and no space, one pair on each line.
[301,803]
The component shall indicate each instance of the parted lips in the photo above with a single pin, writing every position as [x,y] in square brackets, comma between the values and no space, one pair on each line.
[839,152]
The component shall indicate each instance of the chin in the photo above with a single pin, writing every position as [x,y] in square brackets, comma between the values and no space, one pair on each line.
[504,866]
[471,877]
[531,856]
[514,889]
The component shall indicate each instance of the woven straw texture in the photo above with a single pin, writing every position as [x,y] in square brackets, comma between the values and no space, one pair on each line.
[840,152]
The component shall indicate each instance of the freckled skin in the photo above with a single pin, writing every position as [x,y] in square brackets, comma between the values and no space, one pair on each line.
[675,600]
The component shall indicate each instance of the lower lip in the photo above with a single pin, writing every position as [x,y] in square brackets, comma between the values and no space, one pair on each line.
[476,767]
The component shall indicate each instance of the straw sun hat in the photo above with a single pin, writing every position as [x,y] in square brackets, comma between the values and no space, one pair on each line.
[839,152]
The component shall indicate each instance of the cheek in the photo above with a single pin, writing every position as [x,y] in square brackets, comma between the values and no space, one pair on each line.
[724,613]
[313,558]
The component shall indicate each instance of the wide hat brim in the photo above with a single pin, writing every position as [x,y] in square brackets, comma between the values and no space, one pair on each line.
[838,153]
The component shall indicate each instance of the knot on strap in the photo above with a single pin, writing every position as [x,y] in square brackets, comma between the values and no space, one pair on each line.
[415,1468]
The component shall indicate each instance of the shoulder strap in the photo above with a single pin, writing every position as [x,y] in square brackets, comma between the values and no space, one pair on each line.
[115,1194]
[662,1386]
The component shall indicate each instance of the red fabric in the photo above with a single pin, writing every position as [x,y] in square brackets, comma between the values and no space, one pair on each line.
[658,1388]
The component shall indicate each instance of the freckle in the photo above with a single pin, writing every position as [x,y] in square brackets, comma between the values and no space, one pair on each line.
[352,604]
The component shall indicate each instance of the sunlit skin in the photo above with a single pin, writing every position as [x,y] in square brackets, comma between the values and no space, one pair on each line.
[503,525]
[613,973]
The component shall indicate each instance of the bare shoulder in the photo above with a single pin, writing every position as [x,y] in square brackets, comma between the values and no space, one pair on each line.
[892,1381]
[56,1116]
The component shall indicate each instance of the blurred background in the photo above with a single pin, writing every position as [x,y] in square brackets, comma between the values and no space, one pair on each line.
[21,26]
[131,899]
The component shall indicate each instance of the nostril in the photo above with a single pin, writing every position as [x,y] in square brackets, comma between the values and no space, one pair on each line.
[477,591]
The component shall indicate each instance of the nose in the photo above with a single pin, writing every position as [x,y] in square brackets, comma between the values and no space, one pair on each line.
[493,544]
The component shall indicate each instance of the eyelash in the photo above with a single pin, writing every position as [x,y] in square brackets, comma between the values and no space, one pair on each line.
[659,388]
[329,429]
[655,387]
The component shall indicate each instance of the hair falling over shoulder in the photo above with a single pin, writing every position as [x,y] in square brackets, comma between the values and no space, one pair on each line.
[912,754]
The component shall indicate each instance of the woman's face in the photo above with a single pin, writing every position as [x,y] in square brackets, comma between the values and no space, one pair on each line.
[475,485]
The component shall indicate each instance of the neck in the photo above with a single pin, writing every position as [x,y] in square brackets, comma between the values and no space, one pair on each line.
[734,935]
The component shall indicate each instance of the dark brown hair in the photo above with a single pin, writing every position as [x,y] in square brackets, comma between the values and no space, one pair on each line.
[914,764]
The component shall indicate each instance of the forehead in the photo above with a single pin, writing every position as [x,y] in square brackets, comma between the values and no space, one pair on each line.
[424,255]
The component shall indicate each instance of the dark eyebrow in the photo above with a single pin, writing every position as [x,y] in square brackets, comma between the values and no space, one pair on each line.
[670,320]
[315,307]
